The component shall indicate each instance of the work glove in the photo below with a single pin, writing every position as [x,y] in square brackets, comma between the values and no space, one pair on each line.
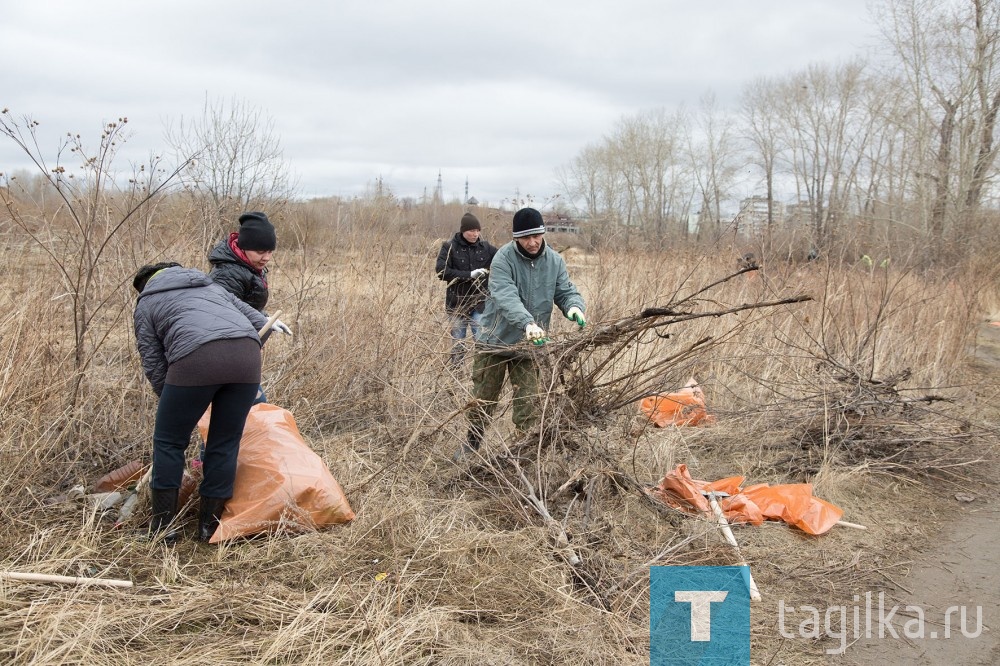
[576,314]
[478,273]
[535,333]
[280,326]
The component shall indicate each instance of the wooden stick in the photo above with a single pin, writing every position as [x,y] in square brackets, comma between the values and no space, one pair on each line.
[844,523]
[73,580]
[557,533]
[728,533]
[270,322]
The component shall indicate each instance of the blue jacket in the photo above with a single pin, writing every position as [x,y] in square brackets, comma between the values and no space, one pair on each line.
[181,309]
[522,291]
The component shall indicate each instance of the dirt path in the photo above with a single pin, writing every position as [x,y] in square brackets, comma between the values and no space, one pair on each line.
[962,569]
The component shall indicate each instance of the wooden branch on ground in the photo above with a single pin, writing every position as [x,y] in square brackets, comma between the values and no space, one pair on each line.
[72,580]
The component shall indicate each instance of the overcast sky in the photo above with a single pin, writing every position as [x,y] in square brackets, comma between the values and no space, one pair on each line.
[501,93]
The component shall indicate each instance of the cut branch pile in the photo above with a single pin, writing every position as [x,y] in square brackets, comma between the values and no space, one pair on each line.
[584,379]
[616,364]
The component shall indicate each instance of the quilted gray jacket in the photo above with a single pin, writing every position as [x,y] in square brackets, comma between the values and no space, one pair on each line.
[181,309]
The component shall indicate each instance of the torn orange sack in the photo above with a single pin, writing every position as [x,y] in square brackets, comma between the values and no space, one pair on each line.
[792,503]
[680,491]
[795,504]
[129,474]
[281,483]
[121,478]
[685,407]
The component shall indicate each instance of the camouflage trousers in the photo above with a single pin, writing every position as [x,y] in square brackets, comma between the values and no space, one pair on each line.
[488,373]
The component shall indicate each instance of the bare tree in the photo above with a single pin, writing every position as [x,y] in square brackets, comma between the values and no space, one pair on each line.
[238,165]
[712,151]
[760,102]
[827,127]
[949,58]
[646,155]
[985,59]
[638,175]
[584,179]
[85,234]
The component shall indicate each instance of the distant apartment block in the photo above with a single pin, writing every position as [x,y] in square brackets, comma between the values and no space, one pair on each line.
[753,214]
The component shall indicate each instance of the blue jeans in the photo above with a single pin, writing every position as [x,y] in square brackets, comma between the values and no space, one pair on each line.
[460,324]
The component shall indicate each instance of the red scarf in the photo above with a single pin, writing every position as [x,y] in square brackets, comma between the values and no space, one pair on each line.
[242,256]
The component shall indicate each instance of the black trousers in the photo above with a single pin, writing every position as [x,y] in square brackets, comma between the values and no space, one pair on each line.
[177,415]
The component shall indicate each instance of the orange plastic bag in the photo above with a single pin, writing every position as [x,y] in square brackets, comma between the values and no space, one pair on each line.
[684,407]
[680,491]
[121,478]
[792,503]
[127,475]
[280,481]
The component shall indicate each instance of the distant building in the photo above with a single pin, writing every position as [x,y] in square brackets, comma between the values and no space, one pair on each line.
[753,214]
[799,214]
[560,224]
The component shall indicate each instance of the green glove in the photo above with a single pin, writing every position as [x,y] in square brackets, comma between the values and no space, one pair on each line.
[576,314]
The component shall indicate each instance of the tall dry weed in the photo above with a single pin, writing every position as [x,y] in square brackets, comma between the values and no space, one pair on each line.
[447,564]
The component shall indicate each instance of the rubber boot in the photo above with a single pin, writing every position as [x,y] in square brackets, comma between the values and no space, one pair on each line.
[209,514]
[473,440]
[164,510]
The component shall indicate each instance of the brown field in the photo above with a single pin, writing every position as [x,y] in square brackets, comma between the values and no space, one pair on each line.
[866,391]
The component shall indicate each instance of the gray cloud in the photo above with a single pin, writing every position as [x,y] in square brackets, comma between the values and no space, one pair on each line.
[501,93]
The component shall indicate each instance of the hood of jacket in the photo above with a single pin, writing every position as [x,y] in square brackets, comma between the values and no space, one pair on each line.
[223,254]
[176,277]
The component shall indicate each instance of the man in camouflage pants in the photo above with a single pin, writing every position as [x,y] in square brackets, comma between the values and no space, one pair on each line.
[526,278]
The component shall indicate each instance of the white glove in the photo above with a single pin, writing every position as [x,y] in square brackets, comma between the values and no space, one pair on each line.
[534,332]
[576,314]
[280,327]
[478,273]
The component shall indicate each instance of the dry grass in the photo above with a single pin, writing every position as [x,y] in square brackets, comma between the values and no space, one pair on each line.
[450,564]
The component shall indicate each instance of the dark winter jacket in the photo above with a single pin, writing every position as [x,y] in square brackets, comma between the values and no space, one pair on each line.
[181,309]
[455,263]
[238,277]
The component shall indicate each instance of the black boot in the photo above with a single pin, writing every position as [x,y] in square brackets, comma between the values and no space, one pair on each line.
[164,510]
[473,440]
[208,516]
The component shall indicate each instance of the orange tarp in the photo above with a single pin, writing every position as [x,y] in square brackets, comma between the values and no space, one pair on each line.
[281,483]
[792,503]
[128,475]
[683,407]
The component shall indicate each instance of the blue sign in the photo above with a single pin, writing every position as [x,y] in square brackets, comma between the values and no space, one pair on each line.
[699,616]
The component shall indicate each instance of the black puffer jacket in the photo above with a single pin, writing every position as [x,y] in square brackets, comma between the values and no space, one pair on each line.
[238,277]
[455,263]
[179,310]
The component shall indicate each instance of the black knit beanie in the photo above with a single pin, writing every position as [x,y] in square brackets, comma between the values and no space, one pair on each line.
[149,270]
[469,222]
[256,233]
[528,222]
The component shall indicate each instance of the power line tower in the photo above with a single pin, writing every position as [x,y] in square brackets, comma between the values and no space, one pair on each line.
[439,190]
